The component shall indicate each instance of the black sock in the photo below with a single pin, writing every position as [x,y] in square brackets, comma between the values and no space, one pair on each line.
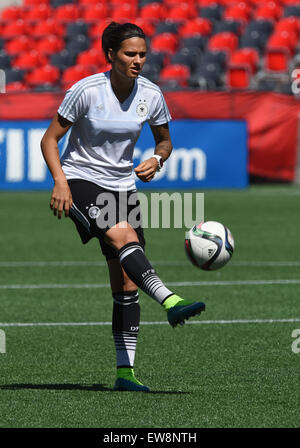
[125,326]
[140,271]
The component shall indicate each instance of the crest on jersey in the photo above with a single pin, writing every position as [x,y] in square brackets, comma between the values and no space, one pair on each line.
[94,212]
[142,109]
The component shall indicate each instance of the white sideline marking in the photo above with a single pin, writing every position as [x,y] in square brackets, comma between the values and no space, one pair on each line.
[237,282]
[99,324]
[265,263]
[57,286]
[273,192]
[43,264]
[203,283]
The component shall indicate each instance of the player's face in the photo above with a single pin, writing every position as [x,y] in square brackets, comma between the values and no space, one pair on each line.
[130,58]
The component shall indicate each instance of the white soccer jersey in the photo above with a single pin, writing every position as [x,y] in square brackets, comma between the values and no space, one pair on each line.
[105,131]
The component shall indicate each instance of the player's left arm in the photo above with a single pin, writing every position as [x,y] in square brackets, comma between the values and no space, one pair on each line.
[163,147]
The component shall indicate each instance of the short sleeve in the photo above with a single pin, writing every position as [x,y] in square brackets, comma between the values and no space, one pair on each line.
[74,103]
[160,113]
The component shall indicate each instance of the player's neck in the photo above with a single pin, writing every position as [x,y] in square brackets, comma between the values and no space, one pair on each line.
[121,86]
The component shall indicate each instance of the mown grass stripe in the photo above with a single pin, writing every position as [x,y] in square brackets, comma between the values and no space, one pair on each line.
[42,264]
[202,283]
[100,324]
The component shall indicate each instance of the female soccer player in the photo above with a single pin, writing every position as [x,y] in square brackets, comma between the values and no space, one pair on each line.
[95,175]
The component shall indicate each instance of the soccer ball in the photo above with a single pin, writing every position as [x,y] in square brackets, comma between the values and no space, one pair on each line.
[209,245]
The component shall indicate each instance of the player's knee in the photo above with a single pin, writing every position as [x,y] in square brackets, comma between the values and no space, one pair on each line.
[120,235]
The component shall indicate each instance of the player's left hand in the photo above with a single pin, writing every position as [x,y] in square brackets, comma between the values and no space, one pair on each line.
[147,169]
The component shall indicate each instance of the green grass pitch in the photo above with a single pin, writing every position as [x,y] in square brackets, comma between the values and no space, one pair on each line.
[236,369]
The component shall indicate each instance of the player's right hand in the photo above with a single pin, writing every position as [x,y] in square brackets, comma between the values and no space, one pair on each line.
[61,199]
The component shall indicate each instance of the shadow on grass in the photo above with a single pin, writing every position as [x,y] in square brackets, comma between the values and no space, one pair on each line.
[90,387]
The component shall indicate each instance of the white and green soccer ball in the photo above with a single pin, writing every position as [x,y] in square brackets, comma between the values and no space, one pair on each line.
[209,245]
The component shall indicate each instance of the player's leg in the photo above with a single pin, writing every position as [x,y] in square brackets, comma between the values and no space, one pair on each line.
[126,312]
[125,241]
[125,326]
[126,307]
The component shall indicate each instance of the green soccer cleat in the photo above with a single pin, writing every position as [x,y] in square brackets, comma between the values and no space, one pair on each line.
[126,381]
[122,384]
[179,309]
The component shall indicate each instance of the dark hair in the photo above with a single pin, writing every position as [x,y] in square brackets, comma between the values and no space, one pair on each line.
[115,33]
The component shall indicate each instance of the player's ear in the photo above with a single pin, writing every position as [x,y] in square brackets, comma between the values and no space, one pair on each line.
[110,55]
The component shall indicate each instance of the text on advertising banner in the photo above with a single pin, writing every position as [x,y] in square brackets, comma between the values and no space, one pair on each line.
[206,154]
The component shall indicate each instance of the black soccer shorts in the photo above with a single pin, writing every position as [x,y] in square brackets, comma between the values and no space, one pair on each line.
[95,210]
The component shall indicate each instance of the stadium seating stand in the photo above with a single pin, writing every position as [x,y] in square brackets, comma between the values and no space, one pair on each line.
[198,44]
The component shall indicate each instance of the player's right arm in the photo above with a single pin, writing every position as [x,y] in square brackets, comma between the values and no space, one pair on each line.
[61,198]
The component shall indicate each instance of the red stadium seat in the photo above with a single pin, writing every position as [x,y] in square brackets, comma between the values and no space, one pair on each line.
[196,26]
[283,39]
[225,41]
[125,12]
[96,44]
[206,3]
[177,72]
[15,28]
[29,60]
[96,30]
[165,43]
[94,13]
[238,77]
[169,3]
[35,2]
[290,24]
[240,12]
[146,25]
[74,74]
[66,13]
[37,13]
[49,26]
[18,45]
[277,59]
[279,50]
[156,12]
[117,3]
[268,11]
[289,2]
[85,3]
[50,44]
[48,74]
[256,3]
[228,3]
[103,68]
[182,12]
[91,57]
[11,13]
[244,56]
